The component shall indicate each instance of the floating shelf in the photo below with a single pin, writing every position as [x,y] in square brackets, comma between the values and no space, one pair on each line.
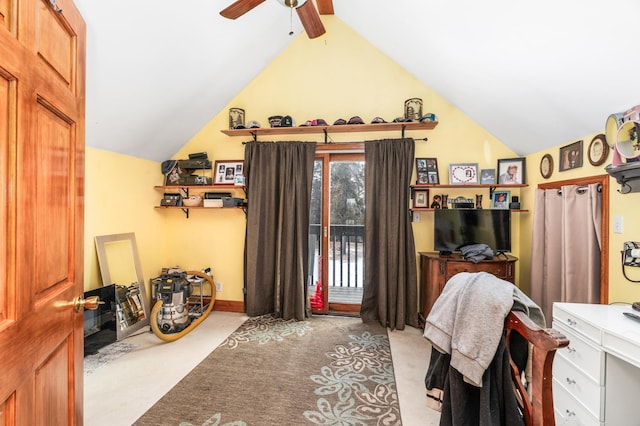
[344,128]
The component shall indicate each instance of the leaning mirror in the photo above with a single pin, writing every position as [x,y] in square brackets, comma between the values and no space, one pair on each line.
[120,268]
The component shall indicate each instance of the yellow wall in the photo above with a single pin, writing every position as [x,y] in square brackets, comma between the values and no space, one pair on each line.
[337,76]
[119,198]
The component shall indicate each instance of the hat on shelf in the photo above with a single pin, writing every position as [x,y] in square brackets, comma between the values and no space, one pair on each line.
[356,120]
[339,122]
[274,120]
[378,120]
[428,117]
[253,124]
[287,121]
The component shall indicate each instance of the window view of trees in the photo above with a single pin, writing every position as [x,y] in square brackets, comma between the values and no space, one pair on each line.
[347,193]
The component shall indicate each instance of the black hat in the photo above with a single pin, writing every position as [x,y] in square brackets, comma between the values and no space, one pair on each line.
[356,120]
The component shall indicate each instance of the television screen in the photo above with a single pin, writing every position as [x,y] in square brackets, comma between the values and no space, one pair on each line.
[454,228]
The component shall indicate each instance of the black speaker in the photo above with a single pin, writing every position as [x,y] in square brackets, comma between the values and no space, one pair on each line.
[515,203]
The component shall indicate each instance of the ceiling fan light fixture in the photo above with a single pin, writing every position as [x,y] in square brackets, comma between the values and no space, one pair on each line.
[292,4]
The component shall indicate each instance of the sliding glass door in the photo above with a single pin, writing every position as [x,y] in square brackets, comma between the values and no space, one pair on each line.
[336,234]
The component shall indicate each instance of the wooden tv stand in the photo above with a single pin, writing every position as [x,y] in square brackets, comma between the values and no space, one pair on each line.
[435,271]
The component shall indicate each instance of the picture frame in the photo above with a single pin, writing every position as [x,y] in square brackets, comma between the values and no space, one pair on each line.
[488,176]
[225,171]
[511,171]
[427,171]
[500,200]
[463,173]
[420,198]
[598,150]
[570,156]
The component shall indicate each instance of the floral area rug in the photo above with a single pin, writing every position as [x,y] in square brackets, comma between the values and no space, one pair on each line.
[321,371]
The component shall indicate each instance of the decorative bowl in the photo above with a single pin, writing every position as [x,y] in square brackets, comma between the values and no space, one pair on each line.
[192,201]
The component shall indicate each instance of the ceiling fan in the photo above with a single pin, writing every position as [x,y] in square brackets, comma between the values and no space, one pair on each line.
[307,12]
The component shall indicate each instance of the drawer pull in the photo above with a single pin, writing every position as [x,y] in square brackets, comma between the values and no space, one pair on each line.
[570,413]
[571,381]
[570,349]
[571,322]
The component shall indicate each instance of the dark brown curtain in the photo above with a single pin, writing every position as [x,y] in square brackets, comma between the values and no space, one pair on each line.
[390,277]
[278,178]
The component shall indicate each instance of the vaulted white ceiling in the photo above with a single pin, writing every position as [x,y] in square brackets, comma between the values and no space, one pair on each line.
[533,74]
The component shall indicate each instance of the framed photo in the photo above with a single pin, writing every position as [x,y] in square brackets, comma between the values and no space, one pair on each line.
[226,171]
[463,173]
[427,171]
[488,176]
[500,199]
[598,150]
[570,156]
[420,198]
[511,171]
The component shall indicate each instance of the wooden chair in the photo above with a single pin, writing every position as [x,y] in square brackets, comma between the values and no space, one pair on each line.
[537,405]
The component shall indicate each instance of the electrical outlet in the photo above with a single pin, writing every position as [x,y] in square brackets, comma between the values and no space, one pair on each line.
[618,225]
[218,286]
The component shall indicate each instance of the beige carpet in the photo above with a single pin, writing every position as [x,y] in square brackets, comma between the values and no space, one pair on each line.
[325,370]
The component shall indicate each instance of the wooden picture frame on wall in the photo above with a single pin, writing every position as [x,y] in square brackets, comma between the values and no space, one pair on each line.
[570,156]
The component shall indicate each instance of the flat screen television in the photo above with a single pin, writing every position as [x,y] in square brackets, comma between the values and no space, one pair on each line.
[454,228]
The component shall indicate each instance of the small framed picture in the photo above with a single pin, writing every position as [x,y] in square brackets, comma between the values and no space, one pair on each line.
[463,173]
[488,176]
[226,171]
[511,171]
[427,171]
[500,199]
[420,198]
[570,156]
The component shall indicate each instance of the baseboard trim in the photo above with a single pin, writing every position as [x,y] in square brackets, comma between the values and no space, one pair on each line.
[229,306]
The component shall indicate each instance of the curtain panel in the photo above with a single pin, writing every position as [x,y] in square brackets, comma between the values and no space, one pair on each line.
[390,277]
[566,246]
[278,177]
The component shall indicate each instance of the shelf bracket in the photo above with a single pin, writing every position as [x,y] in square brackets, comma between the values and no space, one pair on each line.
[326,135]
[403,127]
[186,212]
[254,134]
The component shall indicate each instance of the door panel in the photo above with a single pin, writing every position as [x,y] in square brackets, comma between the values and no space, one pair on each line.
[337,231]
[42,62]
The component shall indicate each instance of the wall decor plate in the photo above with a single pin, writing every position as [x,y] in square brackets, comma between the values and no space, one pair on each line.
[546,166]
[463,173]
[598,150]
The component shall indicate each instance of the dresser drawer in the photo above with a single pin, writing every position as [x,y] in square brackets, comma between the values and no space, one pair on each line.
[582,387]
[586,357]
[568,411]
[560,316]
[499,269]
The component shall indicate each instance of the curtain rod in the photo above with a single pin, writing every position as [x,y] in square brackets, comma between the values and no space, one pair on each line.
[582,189]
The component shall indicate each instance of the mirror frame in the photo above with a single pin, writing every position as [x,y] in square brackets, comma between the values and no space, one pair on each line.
[106,277]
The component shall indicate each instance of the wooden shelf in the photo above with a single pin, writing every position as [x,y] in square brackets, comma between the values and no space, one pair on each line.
[198,207]
[345,128]
[207,187]
[422,209]
[476,185]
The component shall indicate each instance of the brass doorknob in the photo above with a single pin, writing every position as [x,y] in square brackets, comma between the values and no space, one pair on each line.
[90,303]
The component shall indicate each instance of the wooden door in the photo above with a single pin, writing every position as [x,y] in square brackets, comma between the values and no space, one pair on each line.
[42,94]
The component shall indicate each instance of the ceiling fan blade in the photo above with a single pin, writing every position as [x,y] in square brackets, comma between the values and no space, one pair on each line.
[325,7]
[239,8]
[310,19]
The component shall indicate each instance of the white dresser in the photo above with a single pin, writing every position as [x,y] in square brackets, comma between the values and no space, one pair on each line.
[596,379]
